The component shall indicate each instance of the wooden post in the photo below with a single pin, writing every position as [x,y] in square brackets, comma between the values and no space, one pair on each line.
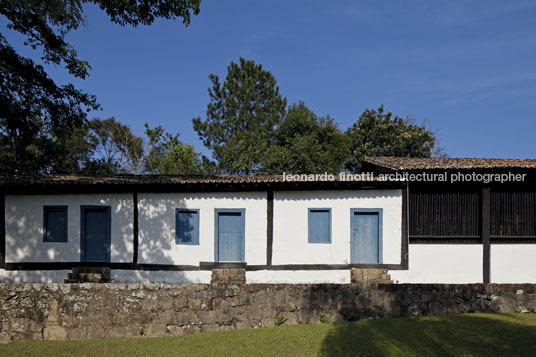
[486,223]
[135,241]
[2,230]
[269,226]
[404,259]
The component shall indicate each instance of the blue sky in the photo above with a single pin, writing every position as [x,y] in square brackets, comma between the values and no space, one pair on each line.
[466,67]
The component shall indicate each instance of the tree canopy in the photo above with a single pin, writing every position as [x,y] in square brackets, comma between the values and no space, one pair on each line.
[168,155]
[38,116]
[114,148]
[379,133]
[44,126]
[306,143]
[242,115]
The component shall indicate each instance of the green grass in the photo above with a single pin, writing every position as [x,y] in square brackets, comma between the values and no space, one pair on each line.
[454,335]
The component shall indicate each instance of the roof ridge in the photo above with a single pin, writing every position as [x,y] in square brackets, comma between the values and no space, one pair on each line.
[408,163]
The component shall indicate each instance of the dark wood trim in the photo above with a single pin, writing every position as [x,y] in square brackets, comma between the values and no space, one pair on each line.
[121,266]
[269,226]
[221,265]
[512,237]
[2,230]
[201,266]
[446,237]
[164,267]
[330,267]
[440,241]
[135,238]
[404,246]
[513,240]
[64,265]
[486,227]
[445,240]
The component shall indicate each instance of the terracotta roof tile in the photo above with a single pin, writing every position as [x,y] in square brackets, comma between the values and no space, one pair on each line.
[131,179]
[117,180]
[408,163]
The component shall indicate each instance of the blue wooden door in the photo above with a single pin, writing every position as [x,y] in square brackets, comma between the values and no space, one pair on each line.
[96,234]
[230,237]
[365,241]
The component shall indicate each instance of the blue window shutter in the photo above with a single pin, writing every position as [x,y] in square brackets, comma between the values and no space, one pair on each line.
[55,224]
[319,225]
[187,226]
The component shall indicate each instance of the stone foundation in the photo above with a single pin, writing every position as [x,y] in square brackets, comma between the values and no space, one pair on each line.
[228,276]
[80,311]
[370,276]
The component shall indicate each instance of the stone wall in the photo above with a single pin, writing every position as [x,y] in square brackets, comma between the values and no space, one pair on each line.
[79,311]
[228,276]
[369,276]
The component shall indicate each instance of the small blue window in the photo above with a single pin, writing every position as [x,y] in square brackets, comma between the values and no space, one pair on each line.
[319,225]
[55,224]
[187,226]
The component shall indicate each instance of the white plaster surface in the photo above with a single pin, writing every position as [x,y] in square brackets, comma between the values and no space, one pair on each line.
[442,263]
[157,226]
[513,263]
[24,227]
[291,244]
[33,276]
[298,276]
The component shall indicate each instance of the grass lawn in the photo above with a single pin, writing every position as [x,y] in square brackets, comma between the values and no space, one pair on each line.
[465,334]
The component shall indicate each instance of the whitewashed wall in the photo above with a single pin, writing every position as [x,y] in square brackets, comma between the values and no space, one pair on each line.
[291,246]
[298,277]
[513,263]
[33,276]
[156,219]
[117,275]
[24,227]
[172,277]
[442,263]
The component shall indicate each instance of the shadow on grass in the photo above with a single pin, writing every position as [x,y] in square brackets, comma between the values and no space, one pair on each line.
[454,335]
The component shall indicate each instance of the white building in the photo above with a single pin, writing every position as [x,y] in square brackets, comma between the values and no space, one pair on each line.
[177,229]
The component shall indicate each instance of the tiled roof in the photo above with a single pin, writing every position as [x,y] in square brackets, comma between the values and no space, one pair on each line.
[408,163]
[59,180]
[42,180]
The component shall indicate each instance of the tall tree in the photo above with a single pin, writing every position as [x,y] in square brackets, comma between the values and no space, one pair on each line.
[379,133]
[241,117]
[306,143]
[115,148]
[37,115]
[168,155]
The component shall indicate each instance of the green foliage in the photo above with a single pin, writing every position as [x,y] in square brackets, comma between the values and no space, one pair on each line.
[144,12]
[305,143]
[324,319]
[377,133]
[280,321]
[115,148]
[168,155]
[37,116]
[241,117]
